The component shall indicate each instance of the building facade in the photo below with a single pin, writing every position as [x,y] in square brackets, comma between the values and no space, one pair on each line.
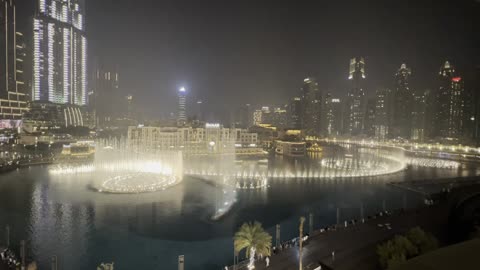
[369,122]
[44,116]
[13,94]
[182,107]
[60,52]
[295,113]
[419,111]
[211,139]
[312,106]
[105,99]
[355,101]
[382,104]
[450,107]
[402,104]
[333,116]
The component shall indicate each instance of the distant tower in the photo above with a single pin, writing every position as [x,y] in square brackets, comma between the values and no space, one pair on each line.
[450,104]
[355,102]
[311,105]
[106,96]
[130,110]
[333,116]
[295,113]
[382,113]
[419,110]
[182,107]
[60,52]
[402,104]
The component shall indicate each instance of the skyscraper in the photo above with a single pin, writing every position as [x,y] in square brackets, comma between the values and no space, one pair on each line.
[312,104]
[402,104]
[182,107]
[295,113]
[257,117]
[60,52]
[333,116]
[449,115]
[355,101]
[419,110]
[106,96]
[13,96]
[369,121]
[382,112]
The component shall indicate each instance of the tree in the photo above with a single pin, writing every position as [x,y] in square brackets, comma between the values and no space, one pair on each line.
[396,260]
[253,238]
[424,242]
[395,251]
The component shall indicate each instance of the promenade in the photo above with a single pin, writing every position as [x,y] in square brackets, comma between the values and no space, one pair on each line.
[355,245]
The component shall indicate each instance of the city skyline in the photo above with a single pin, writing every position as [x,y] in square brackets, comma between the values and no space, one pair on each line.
[234,134]
[189,38]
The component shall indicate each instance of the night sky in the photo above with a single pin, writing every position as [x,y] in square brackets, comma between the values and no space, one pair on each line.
[232,52]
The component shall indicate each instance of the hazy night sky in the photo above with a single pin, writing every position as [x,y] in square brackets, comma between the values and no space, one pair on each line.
[232,52]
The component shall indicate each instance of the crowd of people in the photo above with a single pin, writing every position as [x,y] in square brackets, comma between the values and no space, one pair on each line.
[8,257]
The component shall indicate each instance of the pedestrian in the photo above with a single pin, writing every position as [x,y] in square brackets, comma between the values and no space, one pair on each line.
[267,261]
[333,256]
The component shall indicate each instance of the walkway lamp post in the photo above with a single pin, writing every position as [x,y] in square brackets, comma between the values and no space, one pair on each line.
[302,220]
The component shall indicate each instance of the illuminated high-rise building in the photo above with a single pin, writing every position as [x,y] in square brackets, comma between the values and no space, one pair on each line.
[60,52]
[13,96]
[402,104]
[295,113]
[257,117]
[419,113]
[311,105]
[449,117]
[369,120]
[182,107]
[106,95]
[355,101]
[382,113]
[333,116]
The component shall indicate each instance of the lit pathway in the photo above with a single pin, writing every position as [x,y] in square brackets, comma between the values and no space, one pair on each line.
[355,246]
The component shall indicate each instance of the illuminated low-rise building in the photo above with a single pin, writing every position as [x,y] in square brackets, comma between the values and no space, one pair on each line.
[43,116]
[291,149]
[211,139]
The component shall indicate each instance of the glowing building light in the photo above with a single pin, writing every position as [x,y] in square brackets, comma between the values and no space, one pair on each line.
[456,79]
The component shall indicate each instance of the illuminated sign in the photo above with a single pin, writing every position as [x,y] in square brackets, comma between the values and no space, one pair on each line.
[210,125]
[10,124]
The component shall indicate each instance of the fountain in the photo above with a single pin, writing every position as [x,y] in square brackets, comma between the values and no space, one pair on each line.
[117,168]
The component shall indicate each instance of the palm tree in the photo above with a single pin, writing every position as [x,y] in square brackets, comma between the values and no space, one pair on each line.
[254,239]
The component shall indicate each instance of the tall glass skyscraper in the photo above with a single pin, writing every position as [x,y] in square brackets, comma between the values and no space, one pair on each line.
[401,125]
[182,107]
[311,106]
[60,52]
[450,103]
[355,102]
[13,97]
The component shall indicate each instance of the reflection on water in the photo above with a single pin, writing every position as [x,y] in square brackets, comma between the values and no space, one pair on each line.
[63,217]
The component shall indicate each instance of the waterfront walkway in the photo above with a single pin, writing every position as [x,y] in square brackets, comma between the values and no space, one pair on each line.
[355,246]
